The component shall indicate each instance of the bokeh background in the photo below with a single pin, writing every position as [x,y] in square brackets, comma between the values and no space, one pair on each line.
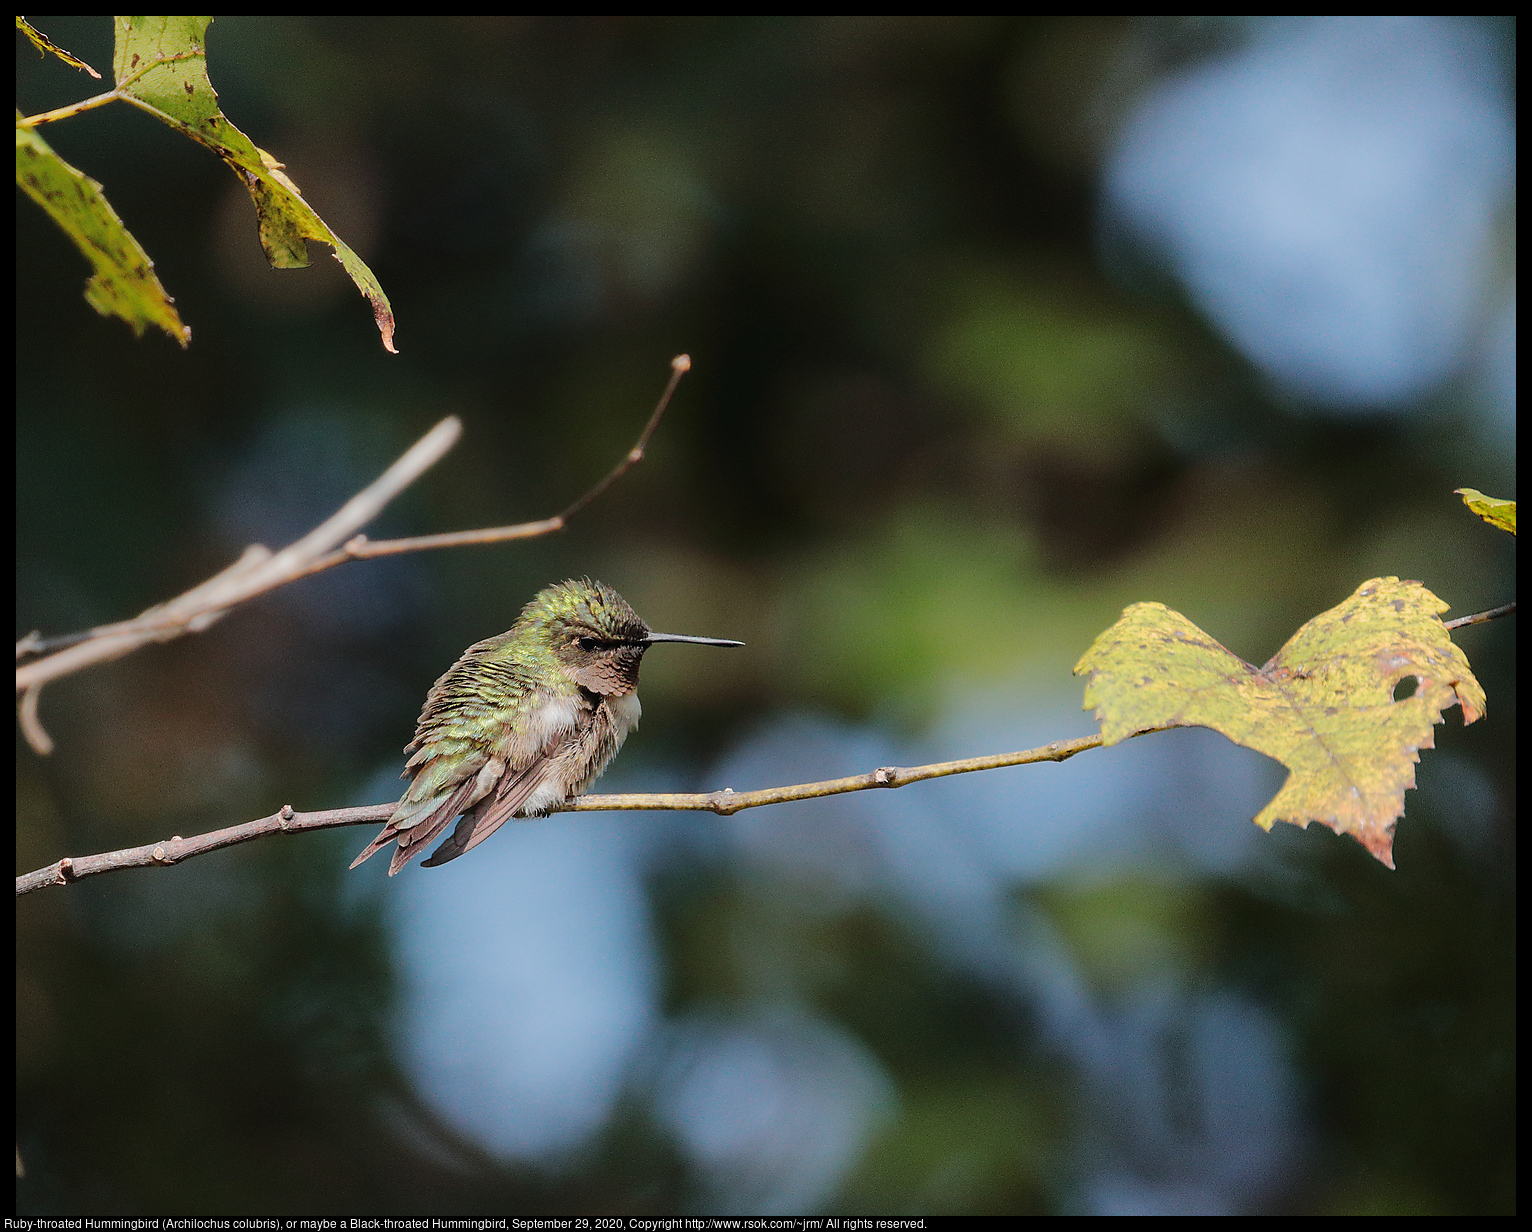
[998,326]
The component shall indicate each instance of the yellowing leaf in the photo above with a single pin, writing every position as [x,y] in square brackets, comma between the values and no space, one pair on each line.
[1496,512]
[124,283]
[44,44]
[1323,706]
[160,65]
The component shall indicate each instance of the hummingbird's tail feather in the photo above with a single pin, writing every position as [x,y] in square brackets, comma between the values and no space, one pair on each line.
[412,841]
[413,838]
[384,837]
[515,792]
[405,813]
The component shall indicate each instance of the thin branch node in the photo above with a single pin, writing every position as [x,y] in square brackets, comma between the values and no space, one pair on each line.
[66,870]
[354,545]
[160,858]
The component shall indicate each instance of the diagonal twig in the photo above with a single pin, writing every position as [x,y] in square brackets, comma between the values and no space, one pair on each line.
[362,548]
[255,572]
[259,570]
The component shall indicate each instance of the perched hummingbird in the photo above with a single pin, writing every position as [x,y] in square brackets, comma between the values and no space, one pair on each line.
[523,721]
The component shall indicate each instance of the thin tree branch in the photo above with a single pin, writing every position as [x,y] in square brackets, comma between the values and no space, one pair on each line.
[258,570]
[725,802]
[1478,618]
[679,367]
[362,548]
[174,850]
[255,572]
[728,801]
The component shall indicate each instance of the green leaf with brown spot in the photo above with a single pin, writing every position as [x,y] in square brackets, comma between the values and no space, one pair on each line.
[160,64]
[124,283]
[44,44]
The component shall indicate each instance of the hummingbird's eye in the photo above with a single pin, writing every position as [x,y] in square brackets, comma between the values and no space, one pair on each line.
[587,643]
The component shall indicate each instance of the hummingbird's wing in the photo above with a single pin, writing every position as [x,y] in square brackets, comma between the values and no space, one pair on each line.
[569,763]
[478,824]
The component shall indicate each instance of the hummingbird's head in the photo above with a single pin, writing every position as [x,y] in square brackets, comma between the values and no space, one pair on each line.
[595,636]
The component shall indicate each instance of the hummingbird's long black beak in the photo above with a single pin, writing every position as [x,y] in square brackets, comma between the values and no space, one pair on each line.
[696,641]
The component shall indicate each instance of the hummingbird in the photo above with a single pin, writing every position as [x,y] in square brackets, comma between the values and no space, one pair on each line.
[523,721]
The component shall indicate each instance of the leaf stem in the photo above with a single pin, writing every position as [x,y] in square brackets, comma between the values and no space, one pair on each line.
[73,109]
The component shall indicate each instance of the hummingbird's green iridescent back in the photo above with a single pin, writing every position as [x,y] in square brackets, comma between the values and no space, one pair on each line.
[523,721]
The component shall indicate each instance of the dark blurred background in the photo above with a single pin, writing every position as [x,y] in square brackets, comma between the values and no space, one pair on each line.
[998,325]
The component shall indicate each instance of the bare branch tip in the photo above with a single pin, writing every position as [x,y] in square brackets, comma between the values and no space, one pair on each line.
[681,363]
[32,726]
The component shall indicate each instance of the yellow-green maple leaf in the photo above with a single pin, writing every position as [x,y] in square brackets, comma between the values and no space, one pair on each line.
[1323,706]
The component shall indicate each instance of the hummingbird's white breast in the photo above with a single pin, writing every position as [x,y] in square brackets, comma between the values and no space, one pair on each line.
[552,722]
[625,710]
